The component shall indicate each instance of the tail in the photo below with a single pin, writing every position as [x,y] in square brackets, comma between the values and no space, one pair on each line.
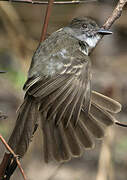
[63,143]
[25,126]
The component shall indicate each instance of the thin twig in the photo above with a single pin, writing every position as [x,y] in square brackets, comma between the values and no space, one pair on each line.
[56,2]
[14,155]
[46,21]
[115,14]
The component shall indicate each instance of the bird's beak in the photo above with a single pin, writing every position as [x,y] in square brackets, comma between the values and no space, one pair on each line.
[104,32]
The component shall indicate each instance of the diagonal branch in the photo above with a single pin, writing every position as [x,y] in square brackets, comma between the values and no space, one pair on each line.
[115,14]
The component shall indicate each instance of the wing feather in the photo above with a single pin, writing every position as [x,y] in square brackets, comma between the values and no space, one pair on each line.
[73,141]
[66,104]
[47,88]
[59,101]
[70,109]
[48,100]
[92,125]
[84,135]
[101,115]
[105,102]
[77,109]
[64,146]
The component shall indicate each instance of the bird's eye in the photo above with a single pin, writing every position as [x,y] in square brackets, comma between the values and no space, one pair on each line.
[84,26]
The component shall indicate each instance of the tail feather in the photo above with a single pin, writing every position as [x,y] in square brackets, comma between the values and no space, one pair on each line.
[47,138]
[19,126]
[24,128]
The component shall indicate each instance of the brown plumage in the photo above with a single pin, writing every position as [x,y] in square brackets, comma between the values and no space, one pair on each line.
[59,95]
[65,134]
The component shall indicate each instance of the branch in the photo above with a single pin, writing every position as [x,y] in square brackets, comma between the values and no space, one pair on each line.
[115,15]
[46,21]
[6,157]
[46,2]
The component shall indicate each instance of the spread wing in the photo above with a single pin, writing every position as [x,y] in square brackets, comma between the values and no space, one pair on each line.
[60,100]
[62,95]
[59,86]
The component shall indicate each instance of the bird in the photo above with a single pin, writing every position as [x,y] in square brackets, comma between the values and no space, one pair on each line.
[59,97]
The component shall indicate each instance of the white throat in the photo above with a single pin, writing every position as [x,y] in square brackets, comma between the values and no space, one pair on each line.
[91,41]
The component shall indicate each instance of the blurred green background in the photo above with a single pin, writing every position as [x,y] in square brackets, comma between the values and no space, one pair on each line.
[20,29]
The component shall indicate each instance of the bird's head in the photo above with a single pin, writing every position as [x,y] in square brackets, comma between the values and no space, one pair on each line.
[86,30]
